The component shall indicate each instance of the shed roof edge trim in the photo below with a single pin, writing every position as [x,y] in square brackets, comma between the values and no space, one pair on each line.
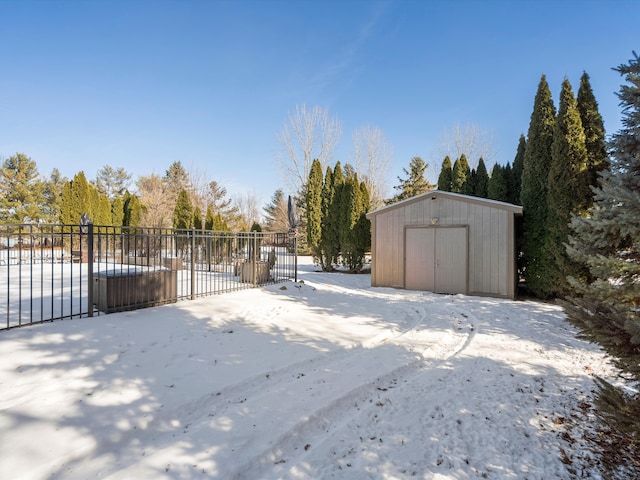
[516,209]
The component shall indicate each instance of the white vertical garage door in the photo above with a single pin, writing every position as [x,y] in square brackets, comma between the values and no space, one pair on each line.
[436,259]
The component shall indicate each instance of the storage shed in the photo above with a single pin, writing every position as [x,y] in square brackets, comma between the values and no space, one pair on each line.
[445,242]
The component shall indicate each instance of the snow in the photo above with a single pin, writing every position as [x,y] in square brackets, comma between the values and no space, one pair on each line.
[324,378]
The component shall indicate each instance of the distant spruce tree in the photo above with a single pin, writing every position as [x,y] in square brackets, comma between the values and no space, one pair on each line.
[518,163]
[605,306]
[597,158]
[460,175]
[472,183]
[498,188]
[183,212]
[415,183]
[313,209]
[568,191]
[21,191]
[444,179]
[208,219]
[482,181]
[197,218]
[132,210]
[533,193]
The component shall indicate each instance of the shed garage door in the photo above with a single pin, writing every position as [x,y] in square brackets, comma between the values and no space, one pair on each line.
[436,259]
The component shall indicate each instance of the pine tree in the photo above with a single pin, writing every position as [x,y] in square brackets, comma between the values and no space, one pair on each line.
[329,243]
[313,208]
[336,214]
[52,193]
[133,211]
[597,158]
[21,191]
[533,193]
[444,179]
[183,212]
[567,191]
[605,305]
[76,200]
[197,218]
[415,183]
[518,164]
[460,175]
[497,188]
[276,213]
[482,180]
[208,220]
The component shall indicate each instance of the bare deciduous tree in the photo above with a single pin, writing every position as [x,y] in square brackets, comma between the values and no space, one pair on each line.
[469,139]
[247,204]
[156,195]
[308,134]
[373,156]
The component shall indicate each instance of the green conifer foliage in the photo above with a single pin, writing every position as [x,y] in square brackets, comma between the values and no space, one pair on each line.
[21,191]
[498,188]
[133,210]
[313,209]
[208,219]
[605,305]
[597,158]
[482,180]
[415,183]
[444,179]
[460,175]
[329,240]
[567,192]
[183,211]
[518,164]
[533,193]
[197,218]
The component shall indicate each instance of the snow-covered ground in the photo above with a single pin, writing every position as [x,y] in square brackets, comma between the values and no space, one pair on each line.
[325,378]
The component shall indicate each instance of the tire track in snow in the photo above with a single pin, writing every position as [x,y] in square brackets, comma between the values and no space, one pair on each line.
[290,448]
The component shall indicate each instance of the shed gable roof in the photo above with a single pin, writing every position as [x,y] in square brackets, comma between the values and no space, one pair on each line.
[515,209]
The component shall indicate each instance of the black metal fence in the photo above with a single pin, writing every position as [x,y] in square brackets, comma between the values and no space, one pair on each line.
[52,272]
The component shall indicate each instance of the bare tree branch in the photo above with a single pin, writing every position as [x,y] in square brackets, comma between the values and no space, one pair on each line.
[469,139]
[373,155]
[308,134]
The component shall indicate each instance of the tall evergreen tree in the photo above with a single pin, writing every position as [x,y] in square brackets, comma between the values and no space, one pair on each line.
[498,188]
[52,193]
[415,183]
[276,213]
[335,216]
[518,164]
[444,179]
[197,218]
[21,191]
[183,213]
[605,305]
[482,180]
[76,200]
[533,193]
[330,242]
[133,211]
[460,175]
[597,158]
[313,208]
[568,190]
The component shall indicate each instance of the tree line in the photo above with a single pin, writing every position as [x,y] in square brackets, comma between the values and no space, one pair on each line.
[177,199]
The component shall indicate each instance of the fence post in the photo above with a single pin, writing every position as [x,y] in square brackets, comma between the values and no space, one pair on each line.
[255,259]
[193,263]
[90,268]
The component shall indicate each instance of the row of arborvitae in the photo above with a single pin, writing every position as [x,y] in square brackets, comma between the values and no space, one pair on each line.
[604,301]
[338,231]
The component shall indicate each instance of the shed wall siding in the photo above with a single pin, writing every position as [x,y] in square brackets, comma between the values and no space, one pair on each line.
[490,239]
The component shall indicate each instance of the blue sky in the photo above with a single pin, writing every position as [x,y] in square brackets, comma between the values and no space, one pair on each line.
[141,84]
